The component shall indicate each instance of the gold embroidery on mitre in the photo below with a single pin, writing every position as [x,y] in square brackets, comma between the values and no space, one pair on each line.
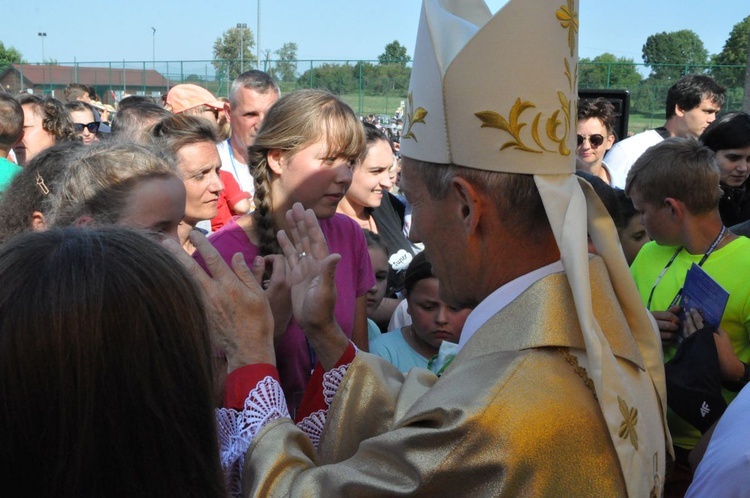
[415,116]
[568,18]
[512,125]
[630,419]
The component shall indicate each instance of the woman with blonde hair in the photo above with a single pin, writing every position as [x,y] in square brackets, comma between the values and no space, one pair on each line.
[304,152]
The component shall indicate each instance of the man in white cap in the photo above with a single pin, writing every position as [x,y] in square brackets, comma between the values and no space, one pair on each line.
[558,386]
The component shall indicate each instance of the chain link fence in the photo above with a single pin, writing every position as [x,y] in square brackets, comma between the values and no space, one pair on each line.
[367,85]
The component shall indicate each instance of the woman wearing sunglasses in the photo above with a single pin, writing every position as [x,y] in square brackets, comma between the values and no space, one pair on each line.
[596,135]
[85,124]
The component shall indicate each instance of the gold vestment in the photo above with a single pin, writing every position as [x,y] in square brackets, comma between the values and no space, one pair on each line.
[514,415]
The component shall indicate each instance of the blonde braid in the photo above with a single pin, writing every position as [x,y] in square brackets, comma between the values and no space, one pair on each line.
[264,208]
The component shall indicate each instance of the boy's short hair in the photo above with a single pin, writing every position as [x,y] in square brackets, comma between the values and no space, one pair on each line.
[680,168]
[11,121]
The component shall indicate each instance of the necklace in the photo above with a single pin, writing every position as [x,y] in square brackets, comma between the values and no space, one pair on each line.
[711,249]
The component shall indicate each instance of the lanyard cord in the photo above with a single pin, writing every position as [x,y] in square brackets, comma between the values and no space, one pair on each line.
[711,249]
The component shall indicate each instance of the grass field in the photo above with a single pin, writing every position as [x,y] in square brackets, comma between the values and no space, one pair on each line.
[374,104]
[642,122]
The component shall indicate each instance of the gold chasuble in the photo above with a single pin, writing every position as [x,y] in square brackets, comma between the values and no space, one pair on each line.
[515,414]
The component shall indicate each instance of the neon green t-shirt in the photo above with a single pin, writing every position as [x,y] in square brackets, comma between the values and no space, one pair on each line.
[730,267]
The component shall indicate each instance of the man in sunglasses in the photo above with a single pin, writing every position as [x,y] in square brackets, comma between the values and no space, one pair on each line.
[692,104]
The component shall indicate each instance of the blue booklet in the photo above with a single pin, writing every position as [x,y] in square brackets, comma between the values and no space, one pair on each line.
[704,294]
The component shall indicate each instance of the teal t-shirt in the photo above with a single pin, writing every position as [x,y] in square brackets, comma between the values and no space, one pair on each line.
[392,347]
[8,171]
[729,267]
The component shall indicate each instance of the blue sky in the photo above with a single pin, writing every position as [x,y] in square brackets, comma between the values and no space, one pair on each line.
[323,29]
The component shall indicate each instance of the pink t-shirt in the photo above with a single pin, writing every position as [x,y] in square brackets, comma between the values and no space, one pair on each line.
[354,276]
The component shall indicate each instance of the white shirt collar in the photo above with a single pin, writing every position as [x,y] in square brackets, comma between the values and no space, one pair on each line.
[502,297]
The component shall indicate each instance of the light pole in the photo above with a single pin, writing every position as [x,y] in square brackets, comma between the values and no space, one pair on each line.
[242,27]
[42,36]
[258,46]
[153,48]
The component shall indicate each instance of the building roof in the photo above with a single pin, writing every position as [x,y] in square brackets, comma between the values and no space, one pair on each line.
[46,74]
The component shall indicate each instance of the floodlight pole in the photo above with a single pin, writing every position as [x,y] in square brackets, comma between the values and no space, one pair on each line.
[242,27]
[153,48]
[42,36]
[258,46]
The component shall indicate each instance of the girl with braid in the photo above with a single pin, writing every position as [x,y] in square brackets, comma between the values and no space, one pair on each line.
[304,152]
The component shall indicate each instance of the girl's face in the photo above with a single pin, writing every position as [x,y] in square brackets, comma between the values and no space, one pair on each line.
[433,321]
[310,177]
[375,295]
[199,165]
[633,237]
[734,166]
[156,204]
[372,178]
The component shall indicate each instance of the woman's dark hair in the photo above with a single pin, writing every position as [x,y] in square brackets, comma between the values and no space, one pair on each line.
[105,377]
[418,269]
[601,109]
[605,192]
[375,241]
[374,134]
[33,188]
[55,118]
[731,131]
[625,209]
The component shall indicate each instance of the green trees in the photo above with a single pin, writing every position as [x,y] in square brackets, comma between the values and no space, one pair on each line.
[734,53]
[608,71]
[9,55]
[286,65]
[389,77]
[233,52]
[682,48]
[394,53]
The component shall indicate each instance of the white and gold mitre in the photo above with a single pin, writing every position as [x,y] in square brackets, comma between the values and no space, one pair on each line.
[482,85]
[499,93]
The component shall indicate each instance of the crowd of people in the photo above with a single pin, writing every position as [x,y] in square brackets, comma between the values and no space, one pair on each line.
[269,295]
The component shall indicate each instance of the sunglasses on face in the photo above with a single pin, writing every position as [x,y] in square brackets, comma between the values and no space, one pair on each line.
[594,140]
[93,127]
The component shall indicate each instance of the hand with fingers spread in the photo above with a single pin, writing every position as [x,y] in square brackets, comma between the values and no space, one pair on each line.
[313,290]
[237,308]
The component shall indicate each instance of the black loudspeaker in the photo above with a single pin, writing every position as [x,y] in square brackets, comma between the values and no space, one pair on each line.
[620,99]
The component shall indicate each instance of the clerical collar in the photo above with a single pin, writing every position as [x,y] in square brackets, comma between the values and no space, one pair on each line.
[502,297]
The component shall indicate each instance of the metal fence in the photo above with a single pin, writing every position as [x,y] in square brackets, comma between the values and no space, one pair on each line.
[374,88]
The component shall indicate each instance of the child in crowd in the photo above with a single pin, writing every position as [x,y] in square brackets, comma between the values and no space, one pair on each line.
[11,131]
[433,321]
[304,152]
[121,183]
[379,258]
[29,200]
